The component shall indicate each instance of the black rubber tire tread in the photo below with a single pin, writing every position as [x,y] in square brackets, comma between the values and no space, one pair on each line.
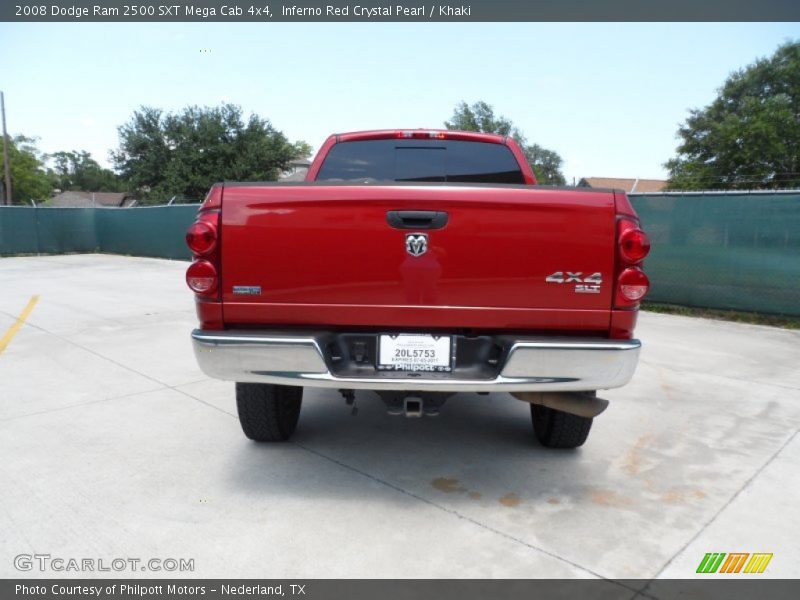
[557,429]
[268,413]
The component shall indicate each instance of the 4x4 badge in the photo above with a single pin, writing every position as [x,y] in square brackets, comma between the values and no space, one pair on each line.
[583,285]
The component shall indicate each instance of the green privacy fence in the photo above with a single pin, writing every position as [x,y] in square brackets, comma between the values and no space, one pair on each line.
[736,251]
[147,231]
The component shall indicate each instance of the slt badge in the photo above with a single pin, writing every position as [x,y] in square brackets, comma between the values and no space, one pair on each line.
[583,285]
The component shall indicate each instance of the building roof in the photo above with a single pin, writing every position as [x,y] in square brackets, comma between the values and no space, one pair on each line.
[82,199]
[629,185]
[298,175]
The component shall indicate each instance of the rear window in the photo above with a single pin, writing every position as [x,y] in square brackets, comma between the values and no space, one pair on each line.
[421,160]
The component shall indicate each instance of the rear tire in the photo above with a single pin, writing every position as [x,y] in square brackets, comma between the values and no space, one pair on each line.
[268,413]
[557,429]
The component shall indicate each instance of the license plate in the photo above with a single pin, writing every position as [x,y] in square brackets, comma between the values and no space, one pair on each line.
[410,352]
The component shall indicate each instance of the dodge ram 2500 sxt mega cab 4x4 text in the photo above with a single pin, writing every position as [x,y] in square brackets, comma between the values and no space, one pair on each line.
[418,264]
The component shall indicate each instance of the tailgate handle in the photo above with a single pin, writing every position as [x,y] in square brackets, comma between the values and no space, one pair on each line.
[416,219]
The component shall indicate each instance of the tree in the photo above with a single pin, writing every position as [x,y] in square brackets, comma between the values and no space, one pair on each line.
[167,154]
[29,179]
[77,170]
[302,149]
[546,164]
[479,116]
[749,136]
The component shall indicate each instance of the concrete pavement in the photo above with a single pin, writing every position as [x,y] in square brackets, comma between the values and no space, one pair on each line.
[114,444]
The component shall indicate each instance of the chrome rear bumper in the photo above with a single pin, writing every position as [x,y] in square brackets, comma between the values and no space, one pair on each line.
[531,364]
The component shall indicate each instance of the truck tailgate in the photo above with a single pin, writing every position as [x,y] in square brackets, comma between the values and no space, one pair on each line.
[328,255]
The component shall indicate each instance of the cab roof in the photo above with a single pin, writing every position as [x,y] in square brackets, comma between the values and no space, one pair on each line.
[440,134]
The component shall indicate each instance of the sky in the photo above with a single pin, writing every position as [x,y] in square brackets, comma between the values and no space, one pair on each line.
[608,97]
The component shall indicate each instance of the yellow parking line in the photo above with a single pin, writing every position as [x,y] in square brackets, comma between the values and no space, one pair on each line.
[12,331]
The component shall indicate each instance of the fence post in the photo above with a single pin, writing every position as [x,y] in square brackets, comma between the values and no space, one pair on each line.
[36,222]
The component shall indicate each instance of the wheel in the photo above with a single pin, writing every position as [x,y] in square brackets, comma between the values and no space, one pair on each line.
[557,429]
[268,413]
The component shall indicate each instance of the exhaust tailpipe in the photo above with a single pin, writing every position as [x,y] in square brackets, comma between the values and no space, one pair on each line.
[583,404]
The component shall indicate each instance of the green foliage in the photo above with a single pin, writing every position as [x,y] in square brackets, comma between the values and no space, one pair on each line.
[749,136]
[479,116]
[162,155]
[29,179]
[302,149]
[77,170]
[546,164]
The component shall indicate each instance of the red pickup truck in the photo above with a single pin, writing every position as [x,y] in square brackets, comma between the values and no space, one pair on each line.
[418,264]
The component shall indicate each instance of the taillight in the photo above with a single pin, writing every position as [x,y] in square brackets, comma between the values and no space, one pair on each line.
[201,276]
[632,285]
[203,240]
[201,237]
[634,244]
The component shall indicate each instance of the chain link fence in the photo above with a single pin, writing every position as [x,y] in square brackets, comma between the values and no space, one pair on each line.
[738,251]
[728,250]
[156,231]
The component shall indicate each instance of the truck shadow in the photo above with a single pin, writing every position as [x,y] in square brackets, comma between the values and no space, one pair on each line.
[480,449]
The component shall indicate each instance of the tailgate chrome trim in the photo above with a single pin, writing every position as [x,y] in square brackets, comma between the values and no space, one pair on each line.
[532,364]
